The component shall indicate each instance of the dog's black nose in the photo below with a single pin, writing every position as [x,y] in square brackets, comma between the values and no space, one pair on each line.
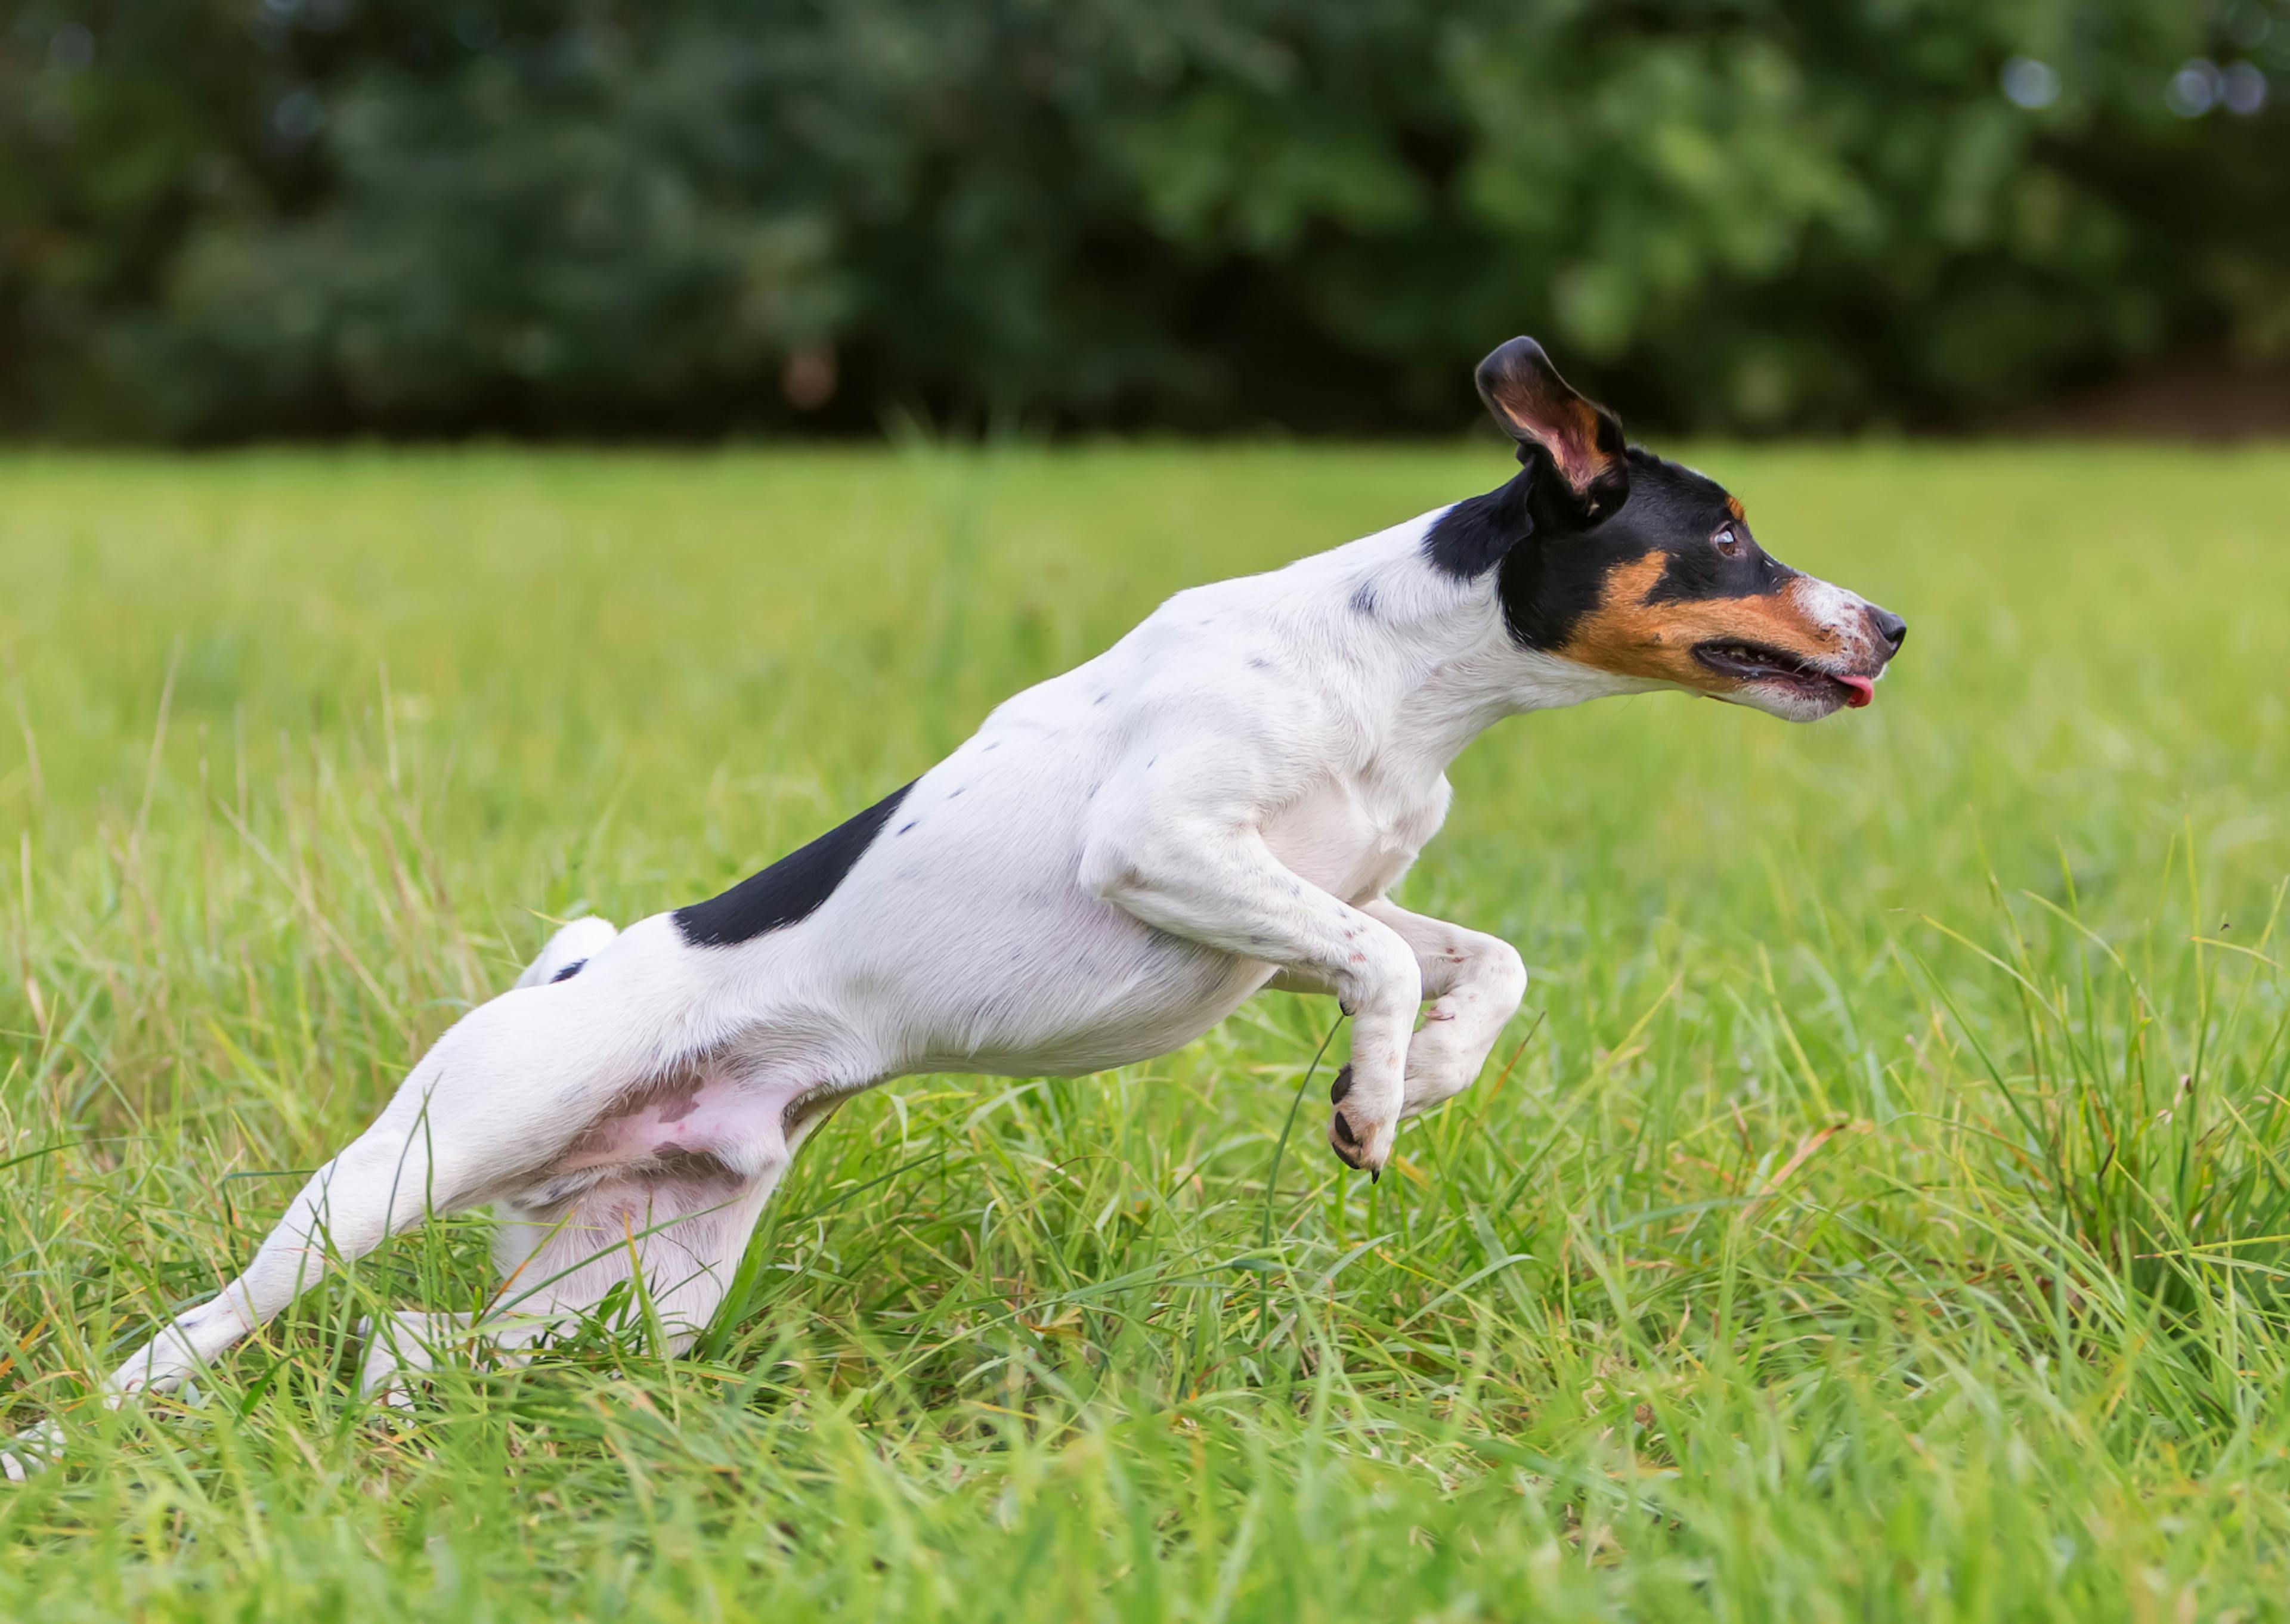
[1890,626]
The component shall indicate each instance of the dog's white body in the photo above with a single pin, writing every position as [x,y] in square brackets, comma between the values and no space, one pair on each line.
[1116,860]
[1157,833]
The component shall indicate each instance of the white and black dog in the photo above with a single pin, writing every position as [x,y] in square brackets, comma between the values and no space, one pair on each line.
[1108,867]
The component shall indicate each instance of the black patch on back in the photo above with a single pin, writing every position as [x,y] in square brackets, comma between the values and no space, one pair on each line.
[791,889]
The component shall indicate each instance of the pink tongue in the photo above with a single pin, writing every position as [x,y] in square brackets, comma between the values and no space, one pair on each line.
[1864,690]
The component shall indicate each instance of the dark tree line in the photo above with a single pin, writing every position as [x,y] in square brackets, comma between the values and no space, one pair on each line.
[230,217]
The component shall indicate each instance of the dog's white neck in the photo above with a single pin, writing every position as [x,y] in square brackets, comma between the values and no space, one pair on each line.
[1443,661]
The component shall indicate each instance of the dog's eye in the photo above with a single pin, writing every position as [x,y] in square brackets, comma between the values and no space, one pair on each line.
[1729,541]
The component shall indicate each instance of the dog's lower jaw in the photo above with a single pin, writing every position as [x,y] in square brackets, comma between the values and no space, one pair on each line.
[1785,706]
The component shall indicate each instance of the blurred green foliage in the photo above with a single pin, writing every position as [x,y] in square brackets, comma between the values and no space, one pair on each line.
[232,218]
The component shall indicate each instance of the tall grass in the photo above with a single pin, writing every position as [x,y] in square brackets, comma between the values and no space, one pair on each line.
[1879,1210]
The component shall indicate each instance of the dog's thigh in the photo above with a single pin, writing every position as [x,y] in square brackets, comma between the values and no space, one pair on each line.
[676,1239]
[675,1243]
[508,1087]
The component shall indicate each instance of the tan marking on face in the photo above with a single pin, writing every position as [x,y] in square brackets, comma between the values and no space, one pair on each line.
[1631,637]
[1734,507]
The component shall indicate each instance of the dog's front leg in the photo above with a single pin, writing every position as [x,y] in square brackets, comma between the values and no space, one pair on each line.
[1213,881]
[1475,982]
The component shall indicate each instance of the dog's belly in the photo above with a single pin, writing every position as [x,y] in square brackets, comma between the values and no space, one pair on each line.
[1052,982]
[696,1126]
[1176,993]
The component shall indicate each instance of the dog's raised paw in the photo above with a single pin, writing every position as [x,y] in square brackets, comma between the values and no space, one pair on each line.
[1363,1152]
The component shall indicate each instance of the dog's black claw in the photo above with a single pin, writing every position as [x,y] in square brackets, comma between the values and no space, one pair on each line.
[1375,1176]
[1342,1086]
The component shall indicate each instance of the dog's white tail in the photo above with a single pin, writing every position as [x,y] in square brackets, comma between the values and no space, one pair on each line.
[570,948]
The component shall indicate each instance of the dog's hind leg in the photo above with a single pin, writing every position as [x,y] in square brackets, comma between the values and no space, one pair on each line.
[675,1239]
[506,1089]
[678,1240]
[480,1107]
[655,1246]
[676,1236]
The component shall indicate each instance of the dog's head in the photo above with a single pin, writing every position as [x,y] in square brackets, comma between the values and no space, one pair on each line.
[1614,558]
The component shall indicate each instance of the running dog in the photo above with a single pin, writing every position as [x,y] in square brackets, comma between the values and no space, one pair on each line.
[1219,802]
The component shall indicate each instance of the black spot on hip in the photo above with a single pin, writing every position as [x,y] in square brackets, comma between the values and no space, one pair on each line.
[791,889]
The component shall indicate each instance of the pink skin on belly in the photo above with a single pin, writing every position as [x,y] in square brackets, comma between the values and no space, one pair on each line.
[694,1114]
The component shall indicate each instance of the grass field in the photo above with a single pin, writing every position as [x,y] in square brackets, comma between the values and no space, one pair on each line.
[1883,1212]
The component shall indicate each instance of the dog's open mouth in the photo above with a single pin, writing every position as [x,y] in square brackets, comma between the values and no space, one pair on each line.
[1754,662]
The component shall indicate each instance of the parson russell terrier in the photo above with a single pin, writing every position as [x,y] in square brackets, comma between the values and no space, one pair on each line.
[1218,804]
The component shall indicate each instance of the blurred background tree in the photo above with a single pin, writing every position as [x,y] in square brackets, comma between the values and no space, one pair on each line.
[226,219]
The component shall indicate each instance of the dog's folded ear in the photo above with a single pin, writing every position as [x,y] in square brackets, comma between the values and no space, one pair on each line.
[1542,412]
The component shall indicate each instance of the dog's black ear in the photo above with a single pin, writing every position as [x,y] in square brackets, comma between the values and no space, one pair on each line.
[1542,412]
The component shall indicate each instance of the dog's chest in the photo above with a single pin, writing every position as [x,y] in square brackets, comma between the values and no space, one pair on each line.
[1354,835]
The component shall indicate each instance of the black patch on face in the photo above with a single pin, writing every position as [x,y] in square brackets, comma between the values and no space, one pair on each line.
[1555,572]
[569,972]
[1548,585]
[791,889]
[1696,574]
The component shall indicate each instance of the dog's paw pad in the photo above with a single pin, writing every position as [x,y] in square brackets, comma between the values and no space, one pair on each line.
[1362,1146]
[1353,1149]
[1342,1086]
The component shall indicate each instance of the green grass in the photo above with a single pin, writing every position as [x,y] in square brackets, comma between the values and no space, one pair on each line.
[1883,1216]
